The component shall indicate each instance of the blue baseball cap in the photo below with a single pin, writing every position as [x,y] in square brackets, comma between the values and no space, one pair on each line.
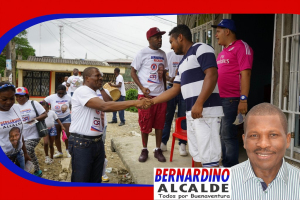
[226,23]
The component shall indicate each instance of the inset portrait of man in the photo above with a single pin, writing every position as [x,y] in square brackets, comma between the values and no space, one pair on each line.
[265,175]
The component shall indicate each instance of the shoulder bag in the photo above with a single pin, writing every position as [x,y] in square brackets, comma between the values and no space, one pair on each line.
[40,125]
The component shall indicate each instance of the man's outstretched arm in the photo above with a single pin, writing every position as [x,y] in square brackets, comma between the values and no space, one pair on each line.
[167,95]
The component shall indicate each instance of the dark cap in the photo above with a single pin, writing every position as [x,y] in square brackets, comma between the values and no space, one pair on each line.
[154,31]
[226,23]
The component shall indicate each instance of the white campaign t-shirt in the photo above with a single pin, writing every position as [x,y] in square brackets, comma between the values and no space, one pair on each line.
[28,113]
[173,62]
[147,62]
[50,119]
[120,79]
[57,102]
[85,120]
[101,97]
[75,82]
[8,120]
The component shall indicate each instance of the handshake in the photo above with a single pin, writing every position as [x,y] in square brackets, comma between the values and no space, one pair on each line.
[144,103]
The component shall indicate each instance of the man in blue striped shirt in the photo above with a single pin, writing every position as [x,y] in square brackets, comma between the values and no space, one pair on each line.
[265,175]
[197,80]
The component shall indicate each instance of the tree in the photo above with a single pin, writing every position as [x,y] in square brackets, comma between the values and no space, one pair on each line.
[21,46]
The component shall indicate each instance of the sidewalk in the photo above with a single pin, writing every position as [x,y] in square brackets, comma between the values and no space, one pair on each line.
[129,149]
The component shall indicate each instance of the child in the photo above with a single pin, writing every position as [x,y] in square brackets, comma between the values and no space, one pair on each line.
[14,138]
[64,108]
[51,130]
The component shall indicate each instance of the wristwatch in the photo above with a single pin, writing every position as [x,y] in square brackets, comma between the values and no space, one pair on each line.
[243,97]
[101,88]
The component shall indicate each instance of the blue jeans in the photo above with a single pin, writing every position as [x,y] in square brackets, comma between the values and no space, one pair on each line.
[18,159]
[87,159]
[21,159]
[121,112]
[228,132]
[171,107]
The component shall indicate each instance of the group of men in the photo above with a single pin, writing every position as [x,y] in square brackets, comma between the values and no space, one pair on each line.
[215,92]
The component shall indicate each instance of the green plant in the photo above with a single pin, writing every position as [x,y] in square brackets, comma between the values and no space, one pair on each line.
[131,94]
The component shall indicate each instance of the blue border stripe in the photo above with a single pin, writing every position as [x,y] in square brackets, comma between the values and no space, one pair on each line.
[3,158]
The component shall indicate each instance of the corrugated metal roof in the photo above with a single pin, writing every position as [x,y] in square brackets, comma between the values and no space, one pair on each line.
[120,60]
[50,59]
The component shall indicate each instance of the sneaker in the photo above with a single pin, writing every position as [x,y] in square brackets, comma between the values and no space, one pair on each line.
[105,178]
[182,150]
[47,159]
[163,147]
[144,155]
[113,122]
[160,157]
[58,155]
[68,154]
[50,161]
[122,123]
[38,173]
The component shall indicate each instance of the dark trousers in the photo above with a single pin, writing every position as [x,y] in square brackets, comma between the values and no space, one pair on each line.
[228,132]
[121,112]
[87,159]
[171,107]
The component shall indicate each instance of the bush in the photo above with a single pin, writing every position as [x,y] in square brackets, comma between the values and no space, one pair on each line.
[131,94]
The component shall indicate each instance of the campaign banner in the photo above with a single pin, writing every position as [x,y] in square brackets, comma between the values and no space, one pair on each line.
[192,183]
[8,64]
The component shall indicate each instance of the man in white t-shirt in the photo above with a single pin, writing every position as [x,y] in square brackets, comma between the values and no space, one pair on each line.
[120,85]
[85,143]
[147,63]
[74,82]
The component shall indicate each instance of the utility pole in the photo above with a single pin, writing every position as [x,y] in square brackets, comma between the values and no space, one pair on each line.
[7,72]
[40,52]
[61,49]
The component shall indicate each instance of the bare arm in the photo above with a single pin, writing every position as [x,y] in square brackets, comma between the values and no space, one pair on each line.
[26,156]
[99,104]
[105,96]
[245,87]
[114,85]
[164,79]
[209,84]
[68,84]
[42,116]
[61,125]
[135,78]
[167,95]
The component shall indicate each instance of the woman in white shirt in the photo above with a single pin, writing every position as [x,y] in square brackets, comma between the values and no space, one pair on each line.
[30,132]
[10,117]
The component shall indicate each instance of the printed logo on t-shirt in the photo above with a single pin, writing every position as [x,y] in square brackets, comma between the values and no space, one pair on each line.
[57,107]
[61,102]
[175,64]
[96,125]
[11,123]
[25,111]
[153,67]
[157,58]
[25,118]
[98,112]
[222,60]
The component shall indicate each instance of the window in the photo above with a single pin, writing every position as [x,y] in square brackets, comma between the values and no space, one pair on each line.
[203,33]
[209,37]
[37,83]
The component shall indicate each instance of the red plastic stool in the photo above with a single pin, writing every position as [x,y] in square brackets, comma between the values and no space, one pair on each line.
[180,134]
